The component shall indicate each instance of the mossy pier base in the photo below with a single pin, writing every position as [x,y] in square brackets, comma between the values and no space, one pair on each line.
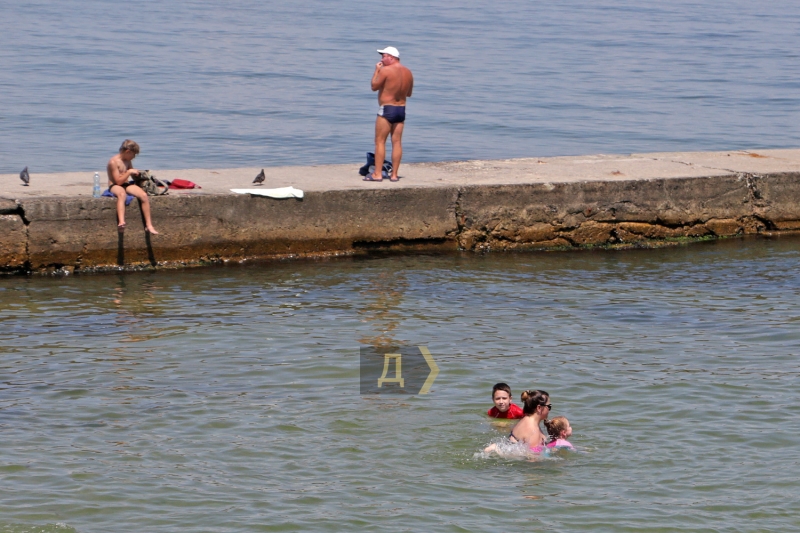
[534,203]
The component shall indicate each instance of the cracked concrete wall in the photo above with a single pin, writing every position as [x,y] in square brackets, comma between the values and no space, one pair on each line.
[13,242]
[81,232]
[776,199]
[613,212]
[13,236]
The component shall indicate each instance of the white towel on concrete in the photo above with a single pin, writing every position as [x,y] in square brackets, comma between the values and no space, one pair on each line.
[282,192]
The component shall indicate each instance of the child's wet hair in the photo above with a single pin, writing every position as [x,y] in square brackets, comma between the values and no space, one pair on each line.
[503,387]
[556,426]
[531,399]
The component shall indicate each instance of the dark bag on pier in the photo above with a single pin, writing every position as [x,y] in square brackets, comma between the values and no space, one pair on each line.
[369,168]
[150,184]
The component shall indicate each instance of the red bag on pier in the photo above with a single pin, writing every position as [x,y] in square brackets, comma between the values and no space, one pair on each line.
[183,184]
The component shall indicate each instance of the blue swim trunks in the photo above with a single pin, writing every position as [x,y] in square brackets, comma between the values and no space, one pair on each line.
[393,113]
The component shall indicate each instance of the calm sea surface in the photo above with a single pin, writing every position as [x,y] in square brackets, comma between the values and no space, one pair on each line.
[265,83]
[227,399]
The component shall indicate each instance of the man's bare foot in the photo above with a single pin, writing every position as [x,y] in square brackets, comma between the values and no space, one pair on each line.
[151,230]
[394,178]
[121,226]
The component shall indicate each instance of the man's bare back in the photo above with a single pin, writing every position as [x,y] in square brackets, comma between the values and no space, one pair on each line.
[393,82]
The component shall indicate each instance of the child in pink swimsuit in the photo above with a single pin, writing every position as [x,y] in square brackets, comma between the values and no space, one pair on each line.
[559,430]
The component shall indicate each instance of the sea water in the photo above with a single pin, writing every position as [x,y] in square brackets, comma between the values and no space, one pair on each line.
[251,83]
[227,399]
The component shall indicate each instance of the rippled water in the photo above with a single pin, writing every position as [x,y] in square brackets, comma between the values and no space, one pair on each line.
[248,83]
[227,399]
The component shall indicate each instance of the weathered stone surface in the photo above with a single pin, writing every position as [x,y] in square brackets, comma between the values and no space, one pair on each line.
[536,233]
[638,231]
[786,225]
[627,237]
[591,233]
[558,242]
[697,230]
[724,227]
[7,206]
[606,212]
[682,202]
[13,240]
[82,232]
[672,202]
[499,205]
[752,225]
[776,197]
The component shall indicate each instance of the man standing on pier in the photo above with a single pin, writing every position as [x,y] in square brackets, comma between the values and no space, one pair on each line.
[394,84]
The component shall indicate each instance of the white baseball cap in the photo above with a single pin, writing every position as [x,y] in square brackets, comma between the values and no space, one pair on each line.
[391,50]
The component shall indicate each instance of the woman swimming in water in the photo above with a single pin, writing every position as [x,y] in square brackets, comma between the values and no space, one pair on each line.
[536,407]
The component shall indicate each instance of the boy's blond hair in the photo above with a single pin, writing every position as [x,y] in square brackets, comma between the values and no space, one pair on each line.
[128,144]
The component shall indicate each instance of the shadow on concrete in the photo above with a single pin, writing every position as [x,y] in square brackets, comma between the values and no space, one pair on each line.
[121,247]
[150,255]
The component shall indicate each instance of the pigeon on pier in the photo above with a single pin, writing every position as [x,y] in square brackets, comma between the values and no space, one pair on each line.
[24,176]
[260,178]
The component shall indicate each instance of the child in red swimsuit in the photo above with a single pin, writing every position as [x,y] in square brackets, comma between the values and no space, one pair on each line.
[503,406]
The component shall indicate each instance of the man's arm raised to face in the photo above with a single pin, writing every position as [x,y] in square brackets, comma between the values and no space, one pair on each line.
[378,78]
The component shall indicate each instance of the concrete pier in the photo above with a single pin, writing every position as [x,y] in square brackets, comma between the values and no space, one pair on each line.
[532,203]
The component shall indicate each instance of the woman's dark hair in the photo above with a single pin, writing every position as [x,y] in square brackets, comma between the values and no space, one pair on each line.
[531,399]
